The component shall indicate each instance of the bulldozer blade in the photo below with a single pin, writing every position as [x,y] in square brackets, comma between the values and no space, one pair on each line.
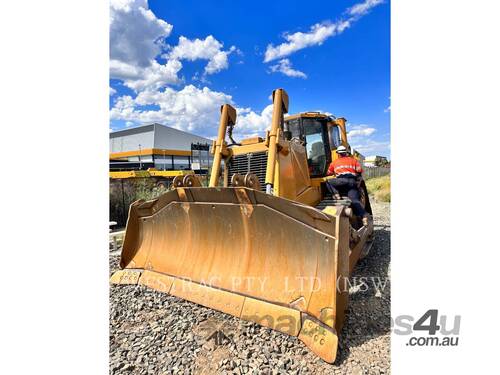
[252,255]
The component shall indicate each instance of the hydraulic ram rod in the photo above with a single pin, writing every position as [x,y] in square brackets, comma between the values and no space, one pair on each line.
[280,106]
[228,115]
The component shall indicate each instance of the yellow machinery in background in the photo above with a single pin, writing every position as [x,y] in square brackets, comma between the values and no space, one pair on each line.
[263,242]
[164,179]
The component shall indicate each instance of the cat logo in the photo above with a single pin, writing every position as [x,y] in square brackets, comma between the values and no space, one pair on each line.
[219,338]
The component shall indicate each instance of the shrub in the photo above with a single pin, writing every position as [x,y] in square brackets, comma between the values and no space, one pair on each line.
[380,188]
[126,191]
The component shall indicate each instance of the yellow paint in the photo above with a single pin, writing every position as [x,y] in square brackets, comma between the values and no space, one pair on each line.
[146,174]
[126,276]
[147,152]
[330,210]
[322,341]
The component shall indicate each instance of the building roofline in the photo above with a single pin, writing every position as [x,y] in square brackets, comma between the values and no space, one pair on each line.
[134,129]
[154,125]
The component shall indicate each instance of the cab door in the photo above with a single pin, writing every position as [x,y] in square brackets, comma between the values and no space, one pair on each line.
[317,146]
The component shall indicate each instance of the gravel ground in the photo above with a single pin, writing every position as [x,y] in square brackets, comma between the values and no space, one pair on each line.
[154,333]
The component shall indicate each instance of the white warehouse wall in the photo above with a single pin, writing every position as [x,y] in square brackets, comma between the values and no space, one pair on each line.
[153,136]
[130,139]
[173,139]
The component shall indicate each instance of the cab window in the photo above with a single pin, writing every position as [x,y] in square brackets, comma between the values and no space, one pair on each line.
[315,147]
[295,128]
[334,136]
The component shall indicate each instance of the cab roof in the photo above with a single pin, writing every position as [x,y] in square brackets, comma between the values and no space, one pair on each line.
[308,115]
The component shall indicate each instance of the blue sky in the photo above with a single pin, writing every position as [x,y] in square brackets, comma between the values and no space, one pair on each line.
[176,62]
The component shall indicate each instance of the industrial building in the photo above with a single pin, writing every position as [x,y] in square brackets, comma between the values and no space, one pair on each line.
[158,146]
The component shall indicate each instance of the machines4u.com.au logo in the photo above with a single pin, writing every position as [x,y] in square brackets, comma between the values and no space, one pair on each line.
[431,329]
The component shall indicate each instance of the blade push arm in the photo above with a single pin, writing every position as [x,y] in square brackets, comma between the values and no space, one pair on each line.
[228,116]
[280,106]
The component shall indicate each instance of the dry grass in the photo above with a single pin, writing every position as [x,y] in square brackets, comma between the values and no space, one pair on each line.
[123,192]
[380,188]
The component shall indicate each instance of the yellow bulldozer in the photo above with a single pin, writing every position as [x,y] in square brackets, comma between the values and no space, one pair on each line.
[264,242]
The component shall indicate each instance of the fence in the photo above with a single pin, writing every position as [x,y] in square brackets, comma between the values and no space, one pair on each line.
[372,172]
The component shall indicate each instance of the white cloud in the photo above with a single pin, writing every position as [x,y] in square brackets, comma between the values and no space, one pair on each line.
[251,124]
[360,131]
[137,40]
[361,9]
[373,147]
[388,109]
[318,33]
[219,61]
[203,49]
[135,32]
[136,37]
[285,66]
[112,91]
[360,137]
[190,109]
[299,40]
[155,75]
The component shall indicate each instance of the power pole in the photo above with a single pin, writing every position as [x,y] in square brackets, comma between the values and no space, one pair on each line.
[140,160]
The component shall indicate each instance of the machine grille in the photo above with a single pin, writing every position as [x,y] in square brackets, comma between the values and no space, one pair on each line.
[255,162]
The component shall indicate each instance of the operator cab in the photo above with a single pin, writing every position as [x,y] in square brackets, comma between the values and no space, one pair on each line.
[319,134]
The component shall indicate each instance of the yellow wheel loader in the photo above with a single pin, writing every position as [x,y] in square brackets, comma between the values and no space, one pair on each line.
[264,242]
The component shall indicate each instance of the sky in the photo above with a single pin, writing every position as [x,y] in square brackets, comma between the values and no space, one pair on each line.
[176,62]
